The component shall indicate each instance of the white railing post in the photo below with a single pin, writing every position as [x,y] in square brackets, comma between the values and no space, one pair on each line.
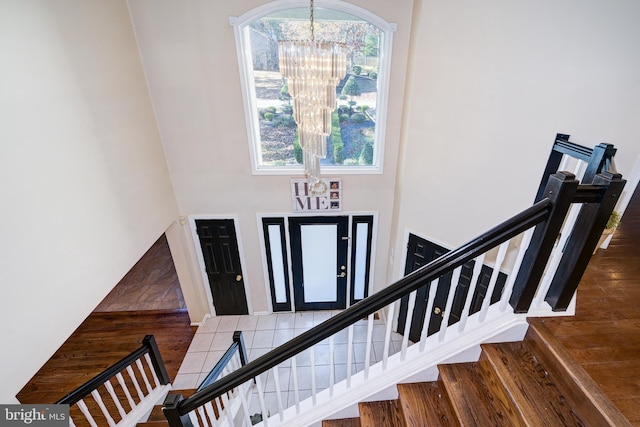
[447,311]
[407,324]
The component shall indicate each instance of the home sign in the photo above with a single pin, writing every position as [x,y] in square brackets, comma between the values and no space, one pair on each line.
[329,200]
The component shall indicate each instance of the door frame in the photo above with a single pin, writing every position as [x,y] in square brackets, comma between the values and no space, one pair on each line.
[342,249]
[286,216]
[201,265]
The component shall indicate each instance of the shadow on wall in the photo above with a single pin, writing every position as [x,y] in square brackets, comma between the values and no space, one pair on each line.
[151,284]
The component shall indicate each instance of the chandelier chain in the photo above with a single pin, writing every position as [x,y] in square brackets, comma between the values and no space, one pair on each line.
[311,21]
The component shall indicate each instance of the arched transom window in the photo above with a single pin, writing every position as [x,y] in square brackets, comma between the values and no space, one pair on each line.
[356,144]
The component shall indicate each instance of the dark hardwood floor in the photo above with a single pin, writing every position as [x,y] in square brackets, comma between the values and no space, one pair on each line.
[148,300]
[103,339]
[604,335]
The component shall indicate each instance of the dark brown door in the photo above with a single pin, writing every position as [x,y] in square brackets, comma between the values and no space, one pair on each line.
[222,263]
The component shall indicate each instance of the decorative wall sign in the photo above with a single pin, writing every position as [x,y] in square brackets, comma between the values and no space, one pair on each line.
[329,200]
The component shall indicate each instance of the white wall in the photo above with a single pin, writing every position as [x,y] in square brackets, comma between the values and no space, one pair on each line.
[84,183]
[188,52]
[490,85]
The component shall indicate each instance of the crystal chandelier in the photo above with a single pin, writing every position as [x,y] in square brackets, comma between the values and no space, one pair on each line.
[313,69]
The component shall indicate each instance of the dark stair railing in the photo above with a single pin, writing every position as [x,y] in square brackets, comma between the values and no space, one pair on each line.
[237,347]
[546,215]
[223,367]
[130,371]
[598,159]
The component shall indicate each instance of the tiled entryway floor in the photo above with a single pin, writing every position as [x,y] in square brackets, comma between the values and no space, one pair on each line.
[263,333]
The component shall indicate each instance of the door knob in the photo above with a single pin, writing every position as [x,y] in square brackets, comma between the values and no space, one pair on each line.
[342,274]
[238,278]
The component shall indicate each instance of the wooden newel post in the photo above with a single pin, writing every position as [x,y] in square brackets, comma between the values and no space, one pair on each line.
[586,232]
[156,359]
[560,189]
[170,410]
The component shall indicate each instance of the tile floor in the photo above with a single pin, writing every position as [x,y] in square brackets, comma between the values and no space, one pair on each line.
[263,333]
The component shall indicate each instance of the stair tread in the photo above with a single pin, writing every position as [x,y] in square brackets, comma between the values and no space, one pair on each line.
[157,414]
[583,392]
[382,413]
[477,397]
[426,404]
[534,389]
[342,422]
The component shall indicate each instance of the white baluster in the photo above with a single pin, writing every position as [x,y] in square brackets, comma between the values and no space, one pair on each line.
[332,374]
[407,324]
[107,415]
[134,380]
[218,402]
[387,336]
[71,423]
[294,372]
[156,381]
[263,406]
[244,404]
[226,404]
[312,359]
[367,356]
[564,162]
[276,381]
[350,358]
[502,252]
[144,376]
[580,169]
[87,414]
[115,399]
[447,311]
[433,287]
[203,415]
[508,288]
[123,384]
[194,419]
[477,267]
[208,407]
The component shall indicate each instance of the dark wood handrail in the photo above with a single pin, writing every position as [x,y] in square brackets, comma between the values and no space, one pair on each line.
[528,218]
[599,159]
[236,346]
[148,346]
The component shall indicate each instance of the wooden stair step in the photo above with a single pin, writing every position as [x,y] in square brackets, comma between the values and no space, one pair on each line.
[382,413]
[426,404]
[583,393]
[343,422]
[532,388]
[157,415]
[477,396]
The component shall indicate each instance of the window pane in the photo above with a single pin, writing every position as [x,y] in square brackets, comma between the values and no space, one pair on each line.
[360,267]
[319,262]
[354,141]
[277,263]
